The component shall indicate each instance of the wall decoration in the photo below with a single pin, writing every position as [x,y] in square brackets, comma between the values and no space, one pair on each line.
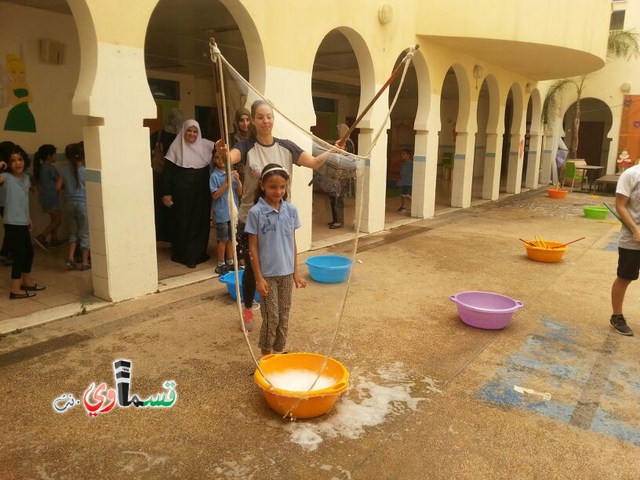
[18,97]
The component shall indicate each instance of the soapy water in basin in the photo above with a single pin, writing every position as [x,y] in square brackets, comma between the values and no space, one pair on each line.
[299,380]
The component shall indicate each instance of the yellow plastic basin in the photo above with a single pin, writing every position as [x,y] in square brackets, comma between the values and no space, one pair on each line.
[305,404]
[547,255]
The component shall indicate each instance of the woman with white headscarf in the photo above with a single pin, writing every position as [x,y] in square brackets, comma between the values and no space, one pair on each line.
[185,190]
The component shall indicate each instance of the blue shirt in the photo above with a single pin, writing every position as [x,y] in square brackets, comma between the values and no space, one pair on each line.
[275,230]
[406,173]
[47,180]
[220,206]
[75,192]
[16,210]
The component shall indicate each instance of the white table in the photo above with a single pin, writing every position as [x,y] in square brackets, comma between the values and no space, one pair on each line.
[585,173]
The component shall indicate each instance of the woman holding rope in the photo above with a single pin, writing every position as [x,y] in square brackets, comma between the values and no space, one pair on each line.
[255,154]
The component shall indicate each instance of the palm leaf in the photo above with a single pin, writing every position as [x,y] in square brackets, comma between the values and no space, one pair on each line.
[623,43]
[553,99]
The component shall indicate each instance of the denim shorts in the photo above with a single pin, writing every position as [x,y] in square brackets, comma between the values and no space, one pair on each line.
[223,231]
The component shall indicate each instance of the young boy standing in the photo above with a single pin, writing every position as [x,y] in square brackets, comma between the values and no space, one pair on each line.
[219,187]
[628,208]
[406,178]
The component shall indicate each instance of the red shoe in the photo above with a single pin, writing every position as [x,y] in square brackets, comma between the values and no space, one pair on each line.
[247,319]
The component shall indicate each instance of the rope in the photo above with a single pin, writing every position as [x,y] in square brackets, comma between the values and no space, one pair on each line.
[216,58]
[219,60]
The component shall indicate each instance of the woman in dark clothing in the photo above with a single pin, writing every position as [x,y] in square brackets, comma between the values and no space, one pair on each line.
[163,139]
[185,189]
[241,126]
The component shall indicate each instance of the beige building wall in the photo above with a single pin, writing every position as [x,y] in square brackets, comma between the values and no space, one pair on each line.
[609,84]
[514,46]
[52,85]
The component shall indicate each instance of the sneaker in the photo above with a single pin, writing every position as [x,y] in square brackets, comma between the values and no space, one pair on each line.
[84,267]
[221,270]
[41,242]
[619,323]
[70,264]
[402,209]
[247,319]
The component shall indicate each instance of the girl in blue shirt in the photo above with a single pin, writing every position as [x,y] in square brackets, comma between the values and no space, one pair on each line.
[271,225]
[17,223]
[72,179]
[45,177]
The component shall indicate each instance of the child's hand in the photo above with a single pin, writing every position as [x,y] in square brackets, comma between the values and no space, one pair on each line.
[221,148]
[299,281]
[3,165]
[235,175]
[263,287]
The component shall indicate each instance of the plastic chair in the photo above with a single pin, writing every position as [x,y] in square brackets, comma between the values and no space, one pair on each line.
[571,172]
[447,165]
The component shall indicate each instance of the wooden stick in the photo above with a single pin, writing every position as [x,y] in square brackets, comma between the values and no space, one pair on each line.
[569,243]
[394,74]
[527,242]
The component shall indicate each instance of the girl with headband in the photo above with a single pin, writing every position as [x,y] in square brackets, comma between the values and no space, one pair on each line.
[271,225]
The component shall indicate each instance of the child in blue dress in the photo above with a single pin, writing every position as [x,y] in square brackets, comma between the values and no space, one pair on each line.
[46,175]
[271,225]
[17,223]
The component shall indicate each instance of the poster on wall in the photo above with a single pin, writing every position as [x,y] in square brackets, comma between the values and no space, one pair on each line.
[16,96]
[629,139]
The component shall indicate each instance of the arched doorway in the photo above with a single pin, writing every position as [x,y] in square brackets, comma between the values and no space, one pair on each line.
[593,136]
[180,75]
[481,141]
[401,137]
[449,107]
[335,87]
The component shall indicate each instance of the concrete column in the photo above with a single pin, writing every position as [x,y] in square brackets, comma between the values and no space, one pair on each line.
[425,170]
[298,105]
[462,178]
[533,161]
[514,170]
[492,161]
[113,93]
[549,169]
[375,181]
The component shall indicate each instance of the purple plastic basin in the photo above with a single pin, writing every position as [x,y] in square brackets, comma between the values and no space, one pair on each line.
[486,310]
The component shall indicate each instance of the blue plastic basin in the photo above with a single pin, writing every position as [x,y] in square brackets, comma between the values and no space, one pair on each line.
[329,268]
[230,280]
